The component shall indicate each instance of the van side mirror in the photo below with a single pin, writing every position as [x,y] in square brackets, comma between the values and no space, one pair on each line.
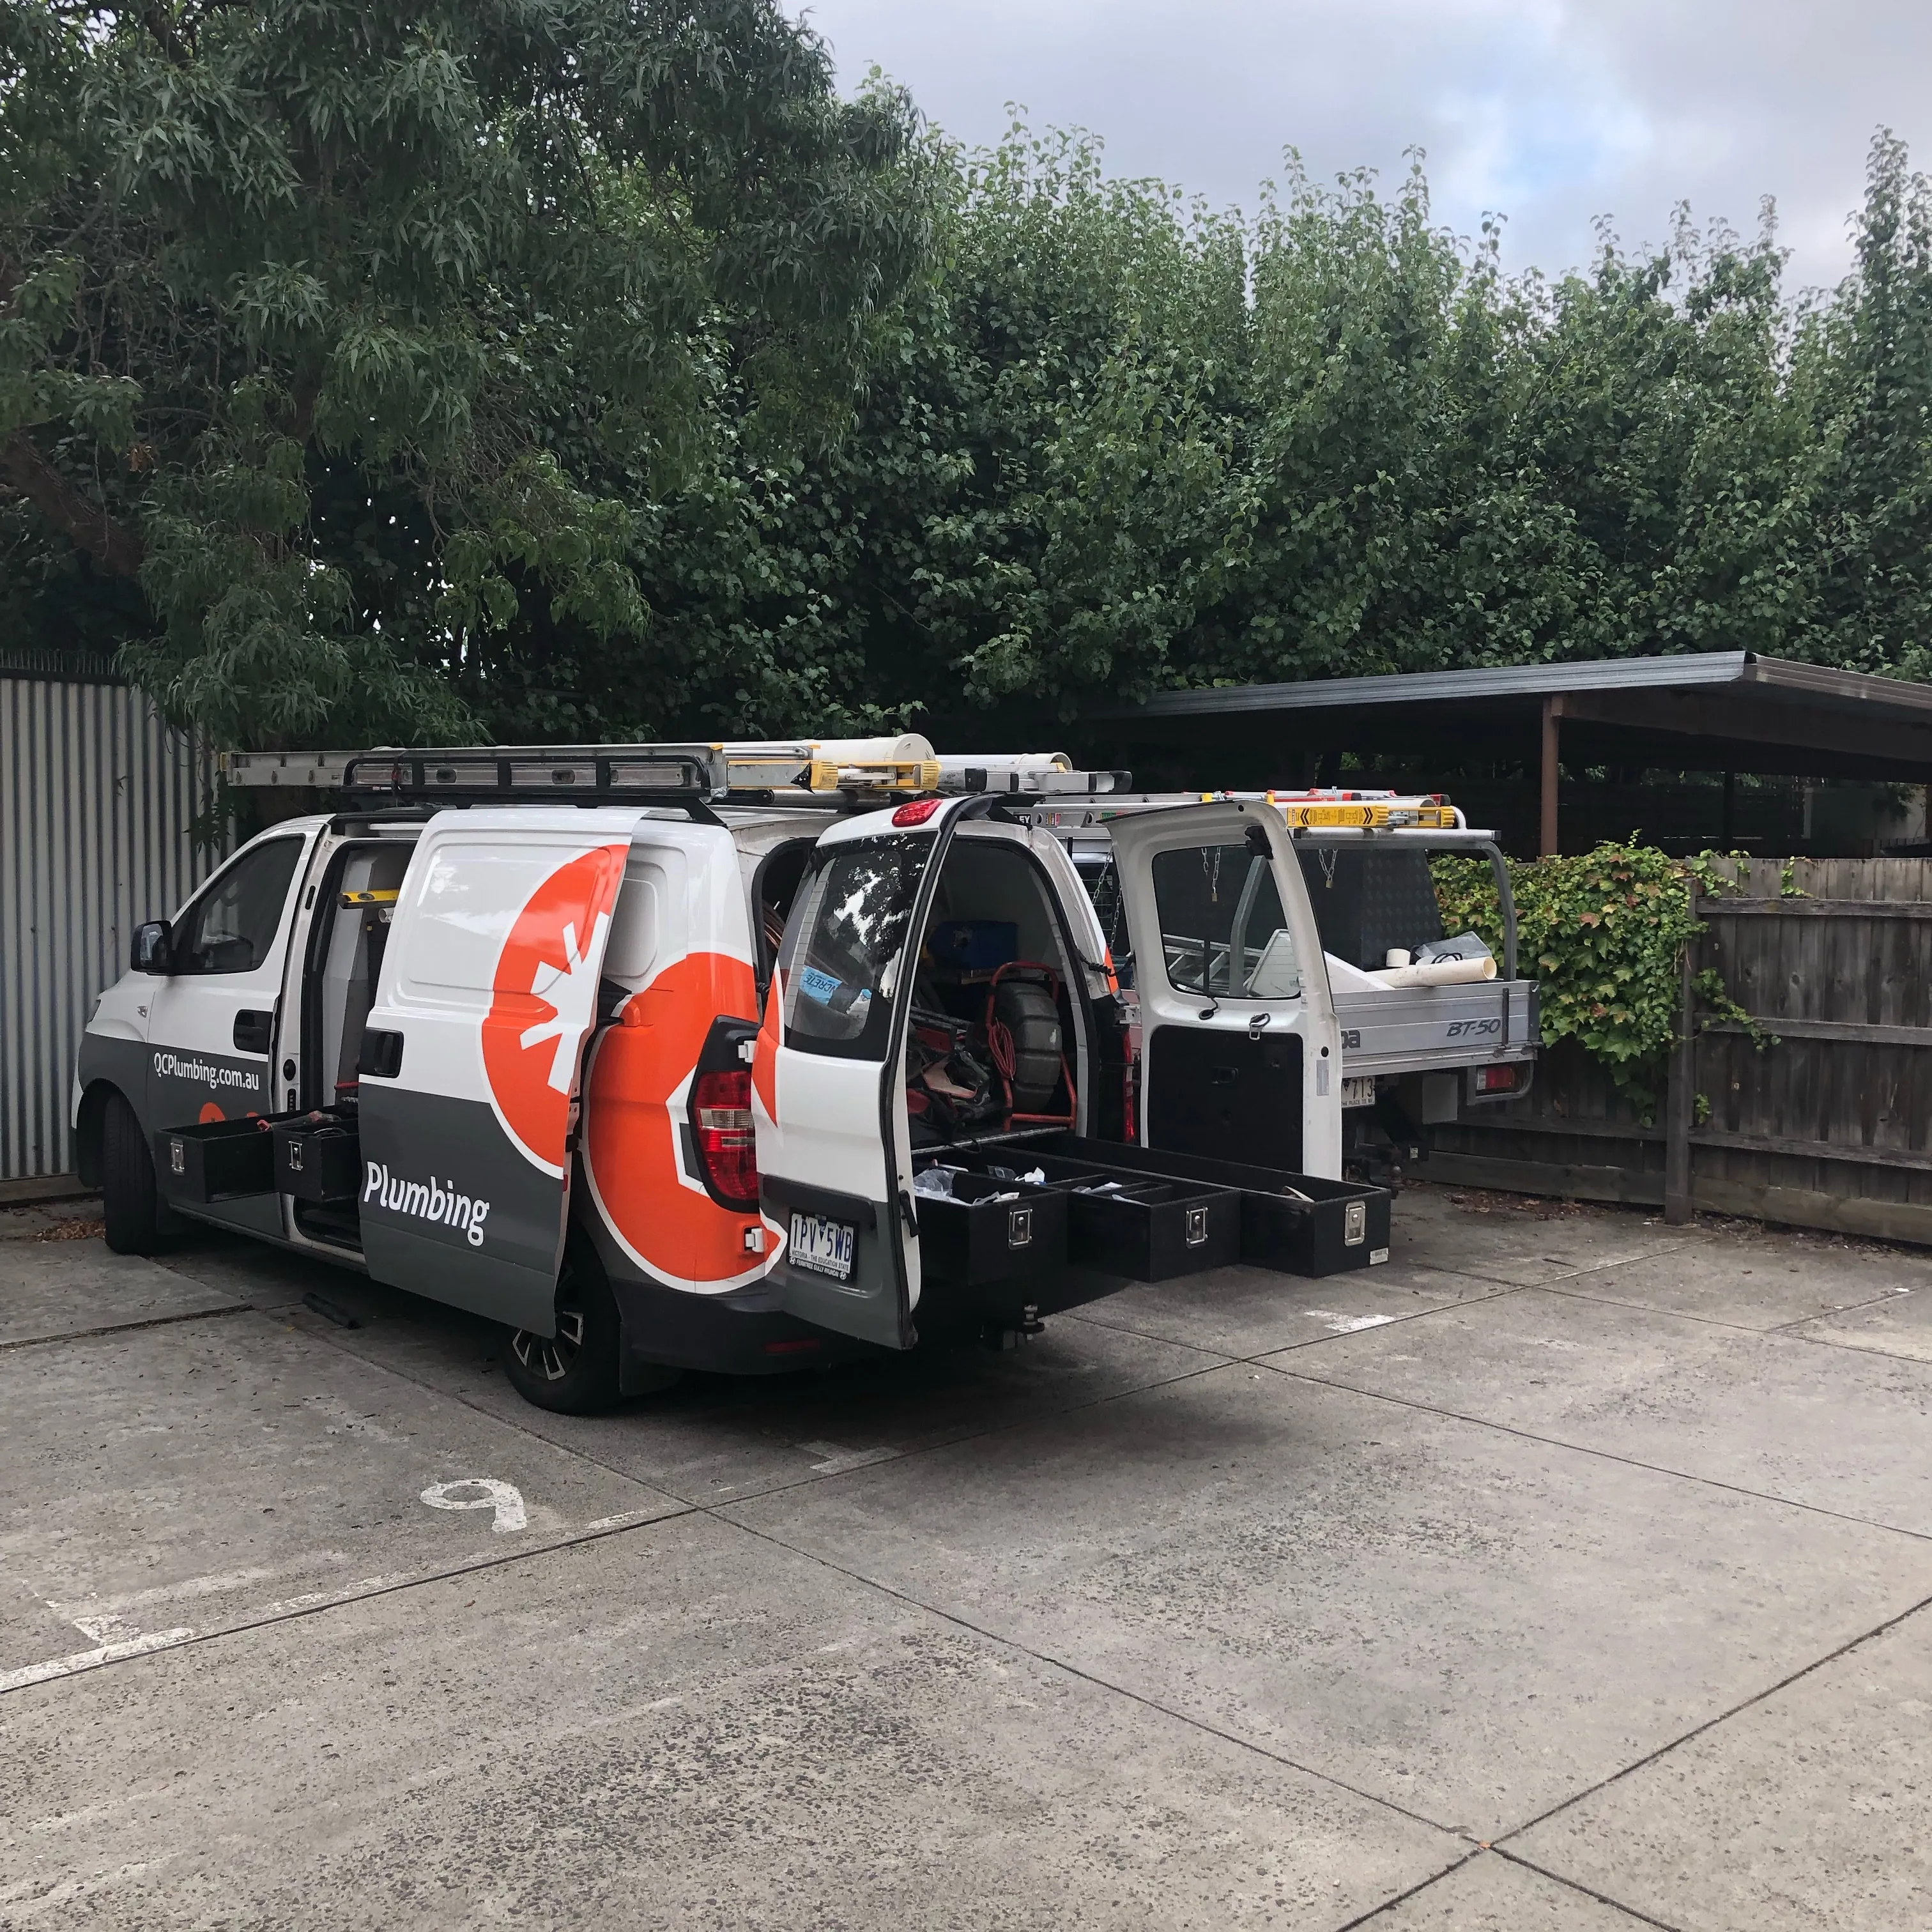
[150,953]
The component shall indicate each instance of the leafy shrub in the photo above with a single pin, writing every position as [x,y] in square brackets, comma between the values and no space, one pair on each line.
[1602,932]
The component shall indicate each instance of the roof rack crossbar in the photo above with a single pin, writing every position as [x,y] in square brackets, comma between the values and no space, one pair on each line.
[834,771]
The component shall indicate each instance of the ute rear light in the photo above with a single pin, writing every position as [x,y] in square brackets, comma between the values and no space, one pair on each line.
[917,812]
[1496,1079]
[720,1112]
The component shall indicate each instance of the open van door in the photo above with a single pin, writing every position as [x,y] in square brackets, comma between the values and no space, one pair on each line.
[1240,1053]
[468,1085]
[835,1153]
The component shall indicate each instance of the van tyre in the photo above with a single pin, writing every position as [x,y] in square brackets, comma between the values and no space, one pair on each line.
[575,1371]
[137,1223]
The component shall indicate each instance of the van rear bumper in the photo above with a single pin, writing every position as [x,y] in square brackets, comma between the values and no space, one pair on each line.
[742,1332]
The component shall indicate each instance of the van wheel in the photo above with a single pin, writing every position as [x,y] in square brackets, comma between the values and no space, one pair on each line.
[574,1372]
[137,1222]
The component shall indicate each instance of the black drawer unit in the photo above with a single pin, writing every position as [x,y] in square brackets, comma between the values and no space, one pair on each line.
[972,1238]
[1153,1231]
[318,1160]
[1297,1223]
[1124,1222]
[215,1160]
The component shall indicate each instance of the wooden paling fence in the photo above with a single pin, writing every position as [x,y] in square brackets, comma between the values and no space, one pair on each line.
[1830,1126]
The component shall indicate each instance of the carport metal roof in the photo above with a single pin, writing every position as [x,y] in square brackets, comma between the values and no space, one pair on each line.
[1721,711]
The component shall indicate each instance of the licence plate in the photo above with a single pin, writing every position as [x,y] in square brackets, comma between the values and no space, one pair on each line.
[1358,1089]
[822,1246]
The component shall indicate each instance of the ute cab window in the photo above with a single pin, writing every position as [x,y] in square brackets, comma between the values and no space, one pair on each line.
[1223,933]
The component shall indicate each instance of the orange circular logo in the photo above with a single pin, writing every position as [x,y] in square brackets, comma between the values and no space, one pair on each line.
[635,1104]
[545,985]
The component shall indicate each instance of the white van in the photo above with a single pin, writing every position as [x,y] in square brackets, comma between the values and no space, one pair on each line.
[509,1054]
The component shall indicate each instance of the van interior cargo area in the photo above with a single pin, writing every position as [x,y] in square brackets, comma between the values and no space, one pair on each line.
[317,1161]
[992,1044]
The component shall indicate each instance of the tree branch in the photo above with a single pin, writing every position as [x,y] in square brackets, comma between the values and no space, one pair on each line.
[113,547]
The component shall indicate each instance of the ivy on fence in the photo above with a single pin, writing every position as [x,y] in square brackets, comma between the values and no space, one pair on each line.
[1603,932]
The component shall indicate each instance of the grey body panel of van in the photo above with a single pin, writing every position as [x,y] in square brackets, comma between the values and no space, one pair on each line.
[122,1064]
[450,1209]
[181,1080]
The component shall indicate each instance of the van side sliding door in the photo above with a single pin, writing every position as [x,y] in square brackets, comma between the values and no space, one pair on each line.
[472,1056]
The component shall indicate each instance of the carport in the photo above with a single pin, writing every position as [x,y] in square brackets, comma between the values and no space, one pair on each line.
[1726,712]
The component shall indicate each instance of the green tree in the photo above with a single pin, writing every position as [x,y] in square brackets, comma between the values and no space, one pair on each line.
[330,326]
[1862,370]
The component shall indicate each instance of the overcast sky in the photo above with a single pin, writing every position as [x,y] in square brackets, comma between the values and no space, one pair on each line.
[1552,113]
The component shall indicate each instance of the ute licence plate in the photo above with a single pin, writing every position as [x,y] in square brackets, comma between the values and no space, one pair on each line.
[1358,1089]
[822,1246]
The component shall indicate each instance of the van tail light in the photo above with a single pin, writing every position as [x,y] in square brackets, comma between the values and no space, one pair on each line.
[720,1112]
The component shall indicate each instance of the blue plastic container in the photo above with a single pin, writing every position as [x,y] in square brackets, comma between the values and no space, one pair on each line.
[975,945]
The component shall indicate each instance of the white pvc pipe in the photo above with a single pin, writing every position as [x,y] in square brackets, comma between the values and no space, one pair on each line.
[1436,972]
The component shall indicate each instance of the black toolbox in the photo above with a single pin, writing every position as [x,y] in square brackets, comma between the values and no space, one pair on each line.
[215,1160]
[317,1158]
[973,1236]
[1120,1221]
[1297,1223]
[1154,1230]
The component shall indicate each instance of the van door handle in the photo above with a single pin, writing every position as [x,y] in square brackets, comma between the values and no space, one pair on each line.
[382,1054]
[254,1032]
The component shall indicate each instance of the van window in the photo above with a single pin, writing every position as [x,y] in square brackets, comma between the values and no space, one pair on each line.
[1221,930]
[843,944]
[232,927]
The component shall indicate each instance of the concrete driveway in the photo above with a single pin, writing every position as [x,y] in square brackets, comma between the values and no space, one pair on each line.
[1569,1572]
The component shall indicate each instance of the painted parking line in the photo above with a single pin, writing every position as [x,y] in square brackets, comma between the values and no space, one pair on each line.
[838,1458]
[148,1643]
[92,1659]
[190,1588]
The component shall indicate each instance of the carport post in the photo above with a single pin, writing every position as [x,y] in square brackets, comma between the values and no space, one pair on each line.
[1552,709]
[1680,1092]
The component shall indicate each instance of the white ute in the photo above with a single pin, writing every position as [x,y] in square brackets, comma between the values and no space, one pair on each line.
[1430,1023]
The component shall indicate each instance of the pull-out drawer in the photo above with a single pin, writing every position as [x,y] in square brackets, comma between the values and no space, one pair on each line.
[318,1160]
[1153,1231]
[990,1231]
[1297,1223]
[1123,1223]
[215,1160]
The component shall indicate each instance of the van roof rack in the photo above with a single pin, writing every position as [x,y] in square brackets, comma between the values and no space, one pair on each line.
[836,772]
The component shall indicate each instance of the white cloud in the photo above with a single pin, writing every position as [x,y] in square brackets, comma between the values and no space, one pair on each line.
[1553,113]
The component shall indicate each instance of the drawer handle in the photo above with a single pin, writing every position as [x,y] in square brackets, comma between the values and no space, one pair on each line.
[1197,1227]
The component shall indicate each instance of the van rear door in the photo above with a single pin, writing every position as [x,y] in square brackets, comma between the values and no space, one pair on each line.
[829,1078]
[472,1054]
[1241,1048]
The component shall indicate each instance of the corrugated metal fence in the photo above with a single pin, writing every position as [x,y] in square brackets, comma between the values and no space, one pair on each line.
[99,805]
[1830,1126]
